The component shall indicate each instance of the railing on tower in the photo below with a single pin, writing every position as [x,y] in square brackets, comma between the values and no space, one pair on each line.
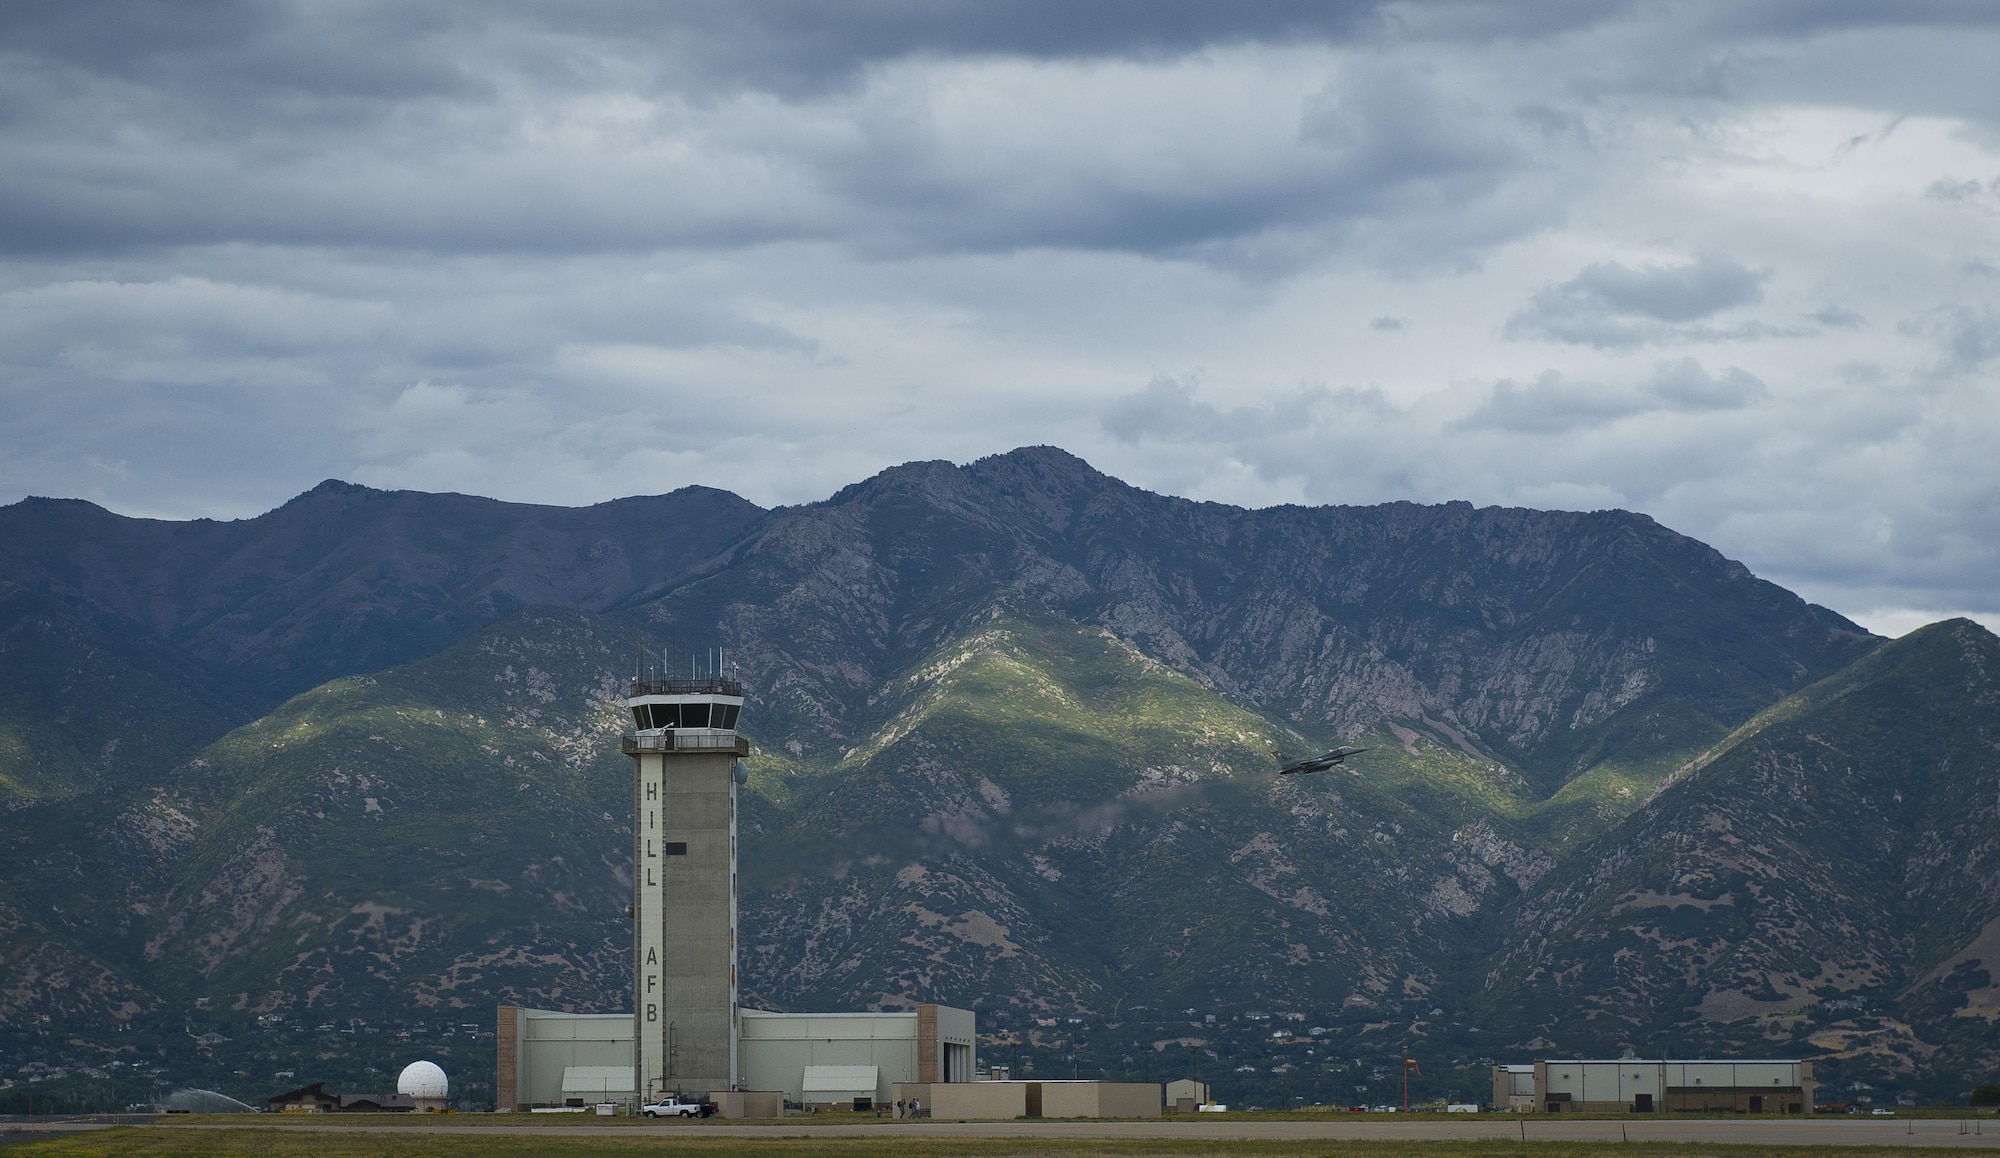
[684,740]
[699,685]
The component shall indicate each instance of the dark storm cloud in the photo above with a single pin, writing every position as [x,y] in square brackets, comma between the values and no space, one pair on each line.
[1610,304]
[566,252]
[497,130]
[793,46]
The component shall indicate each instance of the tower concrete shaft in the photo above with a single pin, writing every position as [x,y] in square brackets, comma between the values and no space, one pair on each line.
[684,884]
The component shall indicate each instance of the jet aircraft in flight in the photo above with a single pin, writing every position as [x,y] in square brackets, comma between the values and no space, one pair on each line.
[1319,763]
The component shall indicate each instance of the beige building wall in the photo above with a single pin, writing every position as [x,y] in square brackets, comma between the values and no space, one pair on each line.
[1056,1099]
[1128,1100]
[978,1100]
[750,1104]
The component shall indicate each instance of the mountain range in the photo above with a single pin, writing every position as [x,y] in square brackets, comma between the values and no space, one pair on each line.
[306,790]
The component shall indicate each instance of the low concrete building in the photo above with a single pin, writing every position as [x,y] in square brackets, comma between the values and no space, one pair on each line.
[749,1104]
[1514,1087]
[1052,1099]
[1640,1086]
[547,1058]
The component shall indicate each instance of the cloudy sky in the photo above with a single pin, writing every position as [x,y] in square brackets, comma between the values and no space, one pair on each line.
[1733,265]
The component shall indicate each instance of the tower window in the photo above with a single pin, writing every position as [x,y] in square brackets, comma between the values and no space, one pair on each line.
[727,712]
[694,715]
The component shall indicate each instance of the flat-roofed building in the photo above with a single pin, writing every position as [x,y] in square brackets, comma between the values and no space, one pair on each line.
[1022,1099]
[547,1058]
[1642,1086]
[1514,1087]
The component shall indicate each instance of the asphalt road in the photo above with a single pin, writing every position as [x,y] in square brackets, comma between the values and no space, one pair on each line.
[1941,1133]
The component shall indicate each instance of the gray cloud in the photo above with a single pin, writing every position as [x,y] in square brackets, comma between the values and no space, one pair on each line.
[564,254]
[1871,501]
[1965,338]
[1553,404]
[1837,318]
[1610,304]
[272,129]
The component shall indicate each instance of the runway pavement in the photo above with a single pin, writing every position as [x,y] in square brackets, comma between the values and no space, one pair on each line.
[1929,1133]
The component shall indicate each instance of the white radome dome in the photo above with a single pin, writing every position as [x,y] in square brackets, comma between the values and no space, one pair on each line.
[423,1080]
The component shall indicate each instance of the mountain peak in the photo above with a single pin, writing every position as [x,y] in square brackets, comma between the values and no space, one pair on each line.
[1053,459]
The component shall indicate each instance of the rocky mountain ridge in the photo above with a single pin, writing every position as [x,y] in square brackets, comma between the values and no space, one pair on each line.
[1012,723]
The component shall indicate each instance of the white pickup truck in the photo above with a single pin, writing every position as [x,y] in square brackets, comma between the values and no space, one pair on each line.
[675,1108]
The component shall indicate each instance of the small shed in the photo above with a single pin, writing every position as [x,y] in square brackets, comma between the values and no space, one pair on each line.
[1186,1095]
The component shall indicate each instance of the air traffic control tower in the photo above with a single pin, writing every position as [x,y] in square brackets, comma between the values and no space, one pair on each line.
[687,765]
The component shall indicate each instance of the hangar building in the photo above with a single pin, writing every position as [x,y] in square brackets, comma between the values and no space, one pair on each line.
[820,1060]
[1640,1086]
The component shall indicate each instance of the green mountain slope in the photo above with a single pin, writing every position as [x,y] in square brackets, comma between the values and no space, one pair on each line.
[1826,880]
[1049,819]
[1013,725]
[410,847]
[1554,643]
[445,828]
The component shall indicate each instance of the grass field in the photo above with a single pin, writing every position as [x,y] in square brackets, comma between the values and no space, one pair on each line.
[183,1142]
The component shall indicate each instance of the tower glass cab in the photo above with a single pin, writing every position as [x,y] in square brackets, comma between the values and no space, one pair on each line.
[687,765]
